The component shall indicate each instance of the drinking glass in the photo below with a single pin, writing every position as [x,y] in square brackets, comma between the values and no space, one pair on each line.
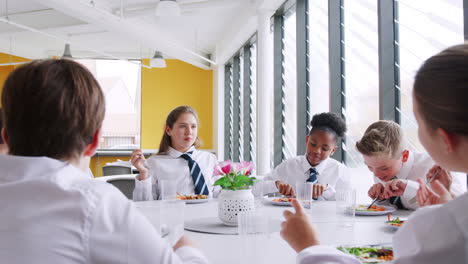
[168,189]
[152,211]
[253,228]
[346,206]
[172,220]
[304,191]
[258,193]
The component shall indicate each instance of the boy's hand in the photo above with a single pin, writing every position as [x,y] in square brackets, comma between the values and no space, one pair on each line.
[394,188]
[318,190]
[443,176]
[439,194]
[285,189]
[297,230]
[376,191]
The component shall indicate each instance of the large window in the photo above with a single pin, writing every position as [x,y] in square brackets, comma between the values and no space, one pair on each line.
[289,85]
[319,100]
[361,72]
[240,89]
[425,28]
[121,84]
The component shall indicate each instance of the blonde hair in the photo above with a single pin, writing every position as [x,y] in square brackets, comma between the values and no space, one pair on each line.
[382,138]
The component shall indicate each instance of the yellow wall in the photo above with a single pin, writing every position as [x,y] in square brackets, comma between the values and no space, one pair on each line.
[5,70]
[164,89]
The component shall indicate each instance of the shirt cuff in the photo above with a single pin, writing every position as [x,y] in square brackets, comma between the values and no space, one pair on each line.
[322,254]
[411,190]
[269,186]
[143,189]
[191,255]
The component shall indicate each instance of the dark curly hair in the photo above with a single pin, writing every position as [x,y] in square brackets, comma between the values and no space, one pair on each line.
[329,122]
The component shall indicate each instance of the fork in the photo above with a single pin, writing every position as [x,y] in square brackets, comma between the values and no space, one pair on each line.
[373,202]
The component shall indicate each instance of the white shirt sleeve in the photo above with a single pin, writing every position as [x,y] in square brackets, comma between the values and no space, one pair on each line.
[458,183]
[432,235]
[120,234]
[143,189]
[269,181]
[409,195]
[326,255]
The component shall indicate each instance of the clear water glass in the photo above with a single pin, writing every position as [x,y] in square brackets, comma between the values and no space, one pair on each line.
[152,211]
[258,193]
[172,220]
[168,189]
[304,192]
[346,206]
[253,229]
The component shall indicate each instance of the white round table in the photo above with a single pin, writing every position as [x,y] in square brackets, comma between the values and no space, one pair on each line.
[226,249]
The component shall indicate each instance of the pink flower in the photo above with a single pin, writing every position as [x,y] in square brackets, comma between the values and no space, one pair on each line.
[223,168]
[245,167]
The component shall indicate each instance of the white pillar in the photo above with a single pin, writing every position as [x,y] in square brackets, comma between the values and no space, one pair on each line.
[218,111]
[264,93]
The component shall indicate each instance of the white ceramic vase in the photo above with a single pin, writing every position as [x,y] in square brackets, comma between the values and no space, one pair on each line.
[230,203]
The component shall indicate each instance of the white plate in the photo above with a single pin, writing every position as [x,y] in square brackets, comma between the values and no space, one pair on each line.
[196,201]
[388,209]
[270,200]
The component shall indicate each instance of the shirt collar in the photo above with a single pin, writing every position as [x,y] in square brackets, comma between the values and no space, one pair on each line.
[406,167]
[306,165]
[175,153]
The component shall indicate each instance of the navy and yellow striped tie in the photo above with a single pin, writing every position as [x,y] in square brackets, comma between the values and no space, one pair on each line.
[196,173]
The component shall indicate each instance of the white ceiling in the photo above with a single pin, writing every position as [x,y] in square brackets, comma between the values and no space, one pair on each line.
[95,28]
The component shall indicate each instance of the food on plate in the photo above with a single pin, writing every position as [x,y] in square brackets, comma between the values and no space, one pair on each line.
[395,222]
[283,200]
[192,197]
[374,208]
[370,254]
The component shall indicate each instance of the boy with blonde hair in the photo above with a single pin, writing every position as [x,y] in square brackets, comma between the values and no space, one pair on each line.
[396,169]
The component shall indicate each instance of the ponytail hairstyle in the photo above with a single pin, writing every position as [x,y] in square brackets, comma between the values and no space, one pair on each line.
[328,122]
[441,90]
[170,121]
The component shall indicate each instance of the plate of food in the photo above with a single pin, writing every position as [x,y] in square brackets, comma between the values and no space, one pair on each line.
[395,222]
[374,210]
[281,201]
[194,198]
[370,254]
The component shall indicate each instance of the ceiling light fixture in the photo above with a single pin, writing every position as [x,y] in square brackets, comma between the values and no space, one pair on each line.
[66,52]
[157,61]
[168,8]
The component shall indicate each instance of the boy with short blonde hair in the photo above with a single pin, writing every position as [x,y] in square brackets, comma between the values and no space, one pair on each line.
[395,168]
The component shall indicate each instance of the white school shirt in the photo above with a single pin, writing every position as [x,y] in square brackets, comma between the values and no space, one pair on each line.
[432,235]
[417,166]
[297,169]
[172,167]
[51,212]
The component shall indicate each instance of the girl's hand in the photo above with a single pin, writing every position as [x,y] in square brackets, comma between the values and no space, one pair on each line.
[285,189]
[138,160]
[318,190]
[443,176]
[438,195]
[376,191]
[297,230]
[394,188]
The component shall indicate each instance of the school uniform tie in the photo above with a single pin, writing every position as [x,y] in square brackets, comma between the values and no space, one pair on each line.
[396,200]
[312,175]
[196,173]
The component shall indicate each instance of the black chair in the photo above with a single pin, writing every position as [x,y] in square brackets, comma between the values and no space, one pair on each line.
[108,170]
[126,186]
